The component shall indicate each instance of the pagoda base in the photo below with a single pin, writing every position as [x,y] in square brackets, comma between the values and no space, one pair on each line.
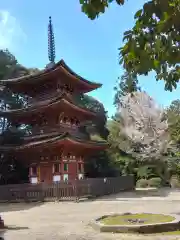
[50,171]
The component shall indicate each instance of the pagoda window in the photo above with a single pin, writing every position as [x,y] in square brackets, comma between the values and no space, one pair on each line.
[65,167]
[56,168]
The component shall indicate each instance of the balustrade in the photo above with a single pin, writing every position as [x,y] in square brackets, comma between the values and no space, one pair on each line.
[48,95]
[61,128]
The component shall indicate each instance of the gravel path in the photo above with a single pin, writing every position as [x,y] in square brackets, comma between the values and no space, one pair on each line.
[66,220]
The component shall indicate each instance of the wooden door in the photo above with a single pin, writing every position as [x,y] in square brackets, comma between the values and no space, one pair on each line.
[46,173]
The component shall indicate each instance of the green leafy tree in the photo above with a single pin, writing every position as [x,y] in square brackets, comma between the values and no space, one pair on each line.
[153,42]
[119,146]
[128,83]
[173,117]
[10,168]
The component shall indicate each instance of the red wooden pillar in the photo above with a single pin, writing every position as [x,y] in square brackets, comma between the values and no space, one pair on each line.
[1,223]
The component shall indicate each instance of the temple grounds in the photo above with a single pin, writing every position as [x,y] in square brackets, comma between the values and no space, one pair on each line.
[70,221]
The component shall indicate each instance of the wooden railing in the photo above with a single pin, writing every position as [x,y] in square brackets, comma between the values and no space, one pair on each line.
[61,128]
[72,190]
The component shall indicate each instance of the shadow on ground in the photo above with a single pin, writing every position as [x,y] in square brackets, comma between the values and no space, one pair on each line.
[11,207]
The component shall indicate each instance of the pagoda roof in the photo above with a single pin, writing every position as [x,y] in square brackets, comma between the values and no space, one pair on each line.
[63,139]
[54,103]
[33,79]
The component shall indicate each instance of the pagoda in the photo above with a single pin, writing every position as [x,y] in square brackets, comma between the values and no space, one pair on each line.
[56,147]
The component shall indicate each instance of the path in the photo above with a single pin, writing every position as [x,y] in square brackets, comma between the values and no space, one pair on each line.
[69,221]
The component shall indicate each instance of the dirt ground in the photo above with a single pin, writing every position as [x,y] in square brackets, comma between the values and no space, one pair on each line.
[70,221]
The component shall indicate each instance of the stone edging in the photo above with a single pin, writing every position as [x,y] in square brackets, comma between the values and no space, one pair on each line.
[140,228]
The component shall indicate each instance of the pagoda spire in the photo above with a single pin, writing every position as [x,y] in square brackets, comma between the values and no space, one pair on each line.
[51,42]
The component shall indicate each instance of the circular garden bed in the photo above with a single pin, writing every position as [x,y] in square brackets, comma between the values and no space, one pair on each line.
[138,223]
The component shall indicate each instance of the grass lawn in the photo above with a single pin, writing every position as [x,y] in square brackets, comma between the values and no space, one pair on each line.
[147,217]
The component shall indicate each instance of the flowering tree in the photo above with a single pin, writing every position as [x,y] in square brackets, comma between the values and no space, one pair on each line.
[143,124]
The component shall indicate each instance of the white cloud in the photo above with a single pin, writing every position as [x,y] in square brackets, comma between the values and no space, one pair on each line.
[11,33]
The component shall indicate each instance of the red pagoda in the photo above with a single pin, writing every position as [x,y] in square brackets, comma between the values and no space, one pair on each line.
[55,148]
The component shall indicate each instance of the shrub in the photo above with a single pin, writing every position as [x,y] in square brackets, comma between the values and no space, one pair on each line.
[142,183]
[175,182]
[155,182]
[148,171]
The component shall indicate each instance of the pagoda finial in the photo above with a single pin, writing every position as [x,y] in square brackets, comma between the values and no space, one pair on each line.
[51,42]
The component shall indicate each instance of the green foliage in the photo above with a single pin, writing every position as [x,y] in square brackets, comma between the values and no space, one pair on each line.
[155,182]
[173,117]
[96,137]
[128,83]
[142,183]
[146,172]
[175,181]
[99,165]
[10,168]
[153,42]
[12,136]
[98,124]
[92,8]
[90,103]
[9,66]
[123,162]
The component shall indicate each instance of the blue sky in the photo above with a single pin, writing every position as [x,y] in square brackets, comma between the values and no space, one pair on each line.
[90,48]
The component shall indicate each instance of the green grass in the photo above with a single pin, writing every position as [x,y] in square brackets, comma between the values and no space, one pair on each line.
[149,218]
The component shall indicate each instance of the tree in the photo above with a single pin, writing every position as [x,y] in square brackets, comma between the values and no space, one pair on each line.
[153,42]
[9,66]
[98,126]
[143,124]
[128,83]
[92,8]
[139,139]
[98,165]
[173,117]
[119,146]
[10,168]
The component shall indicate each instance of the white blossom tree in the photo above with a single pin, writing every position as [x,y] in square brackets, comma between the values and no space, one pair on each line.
[144,125]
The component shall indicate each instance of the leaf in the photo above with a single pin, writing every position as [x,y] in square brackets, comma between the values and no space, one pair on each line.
[121,61]
[127,32]
[156,63]
[155,32]
[138,14]
[120,2]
